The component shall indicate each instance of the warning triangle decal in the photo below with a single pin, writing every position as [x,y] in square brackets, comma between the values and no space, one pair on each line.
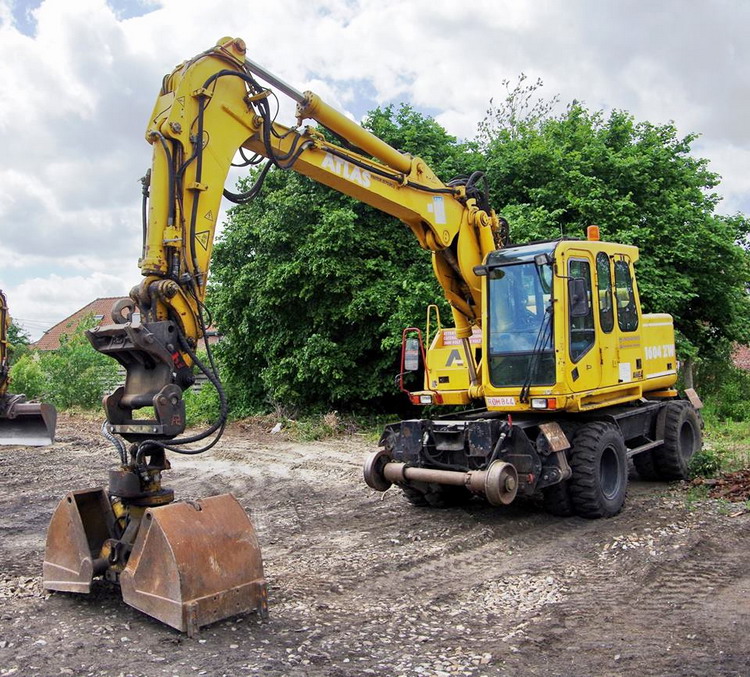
[202,238]
[209,215]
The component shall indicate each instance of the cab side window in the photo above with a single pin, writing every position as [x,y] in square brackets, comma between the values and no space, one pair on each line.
[627,312]
[604,287]
[581,325]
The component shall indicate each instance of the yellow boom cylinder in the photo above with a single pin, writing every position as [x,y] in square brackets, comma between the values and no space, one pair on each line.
[315,108]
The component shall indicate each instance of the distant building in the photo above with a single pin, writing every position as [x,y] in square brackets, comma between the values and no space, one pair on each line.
[100,308]
[741,357]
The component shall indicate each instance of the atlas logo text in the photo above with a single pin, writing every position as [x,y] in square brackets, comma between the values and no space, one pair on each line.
[347,170]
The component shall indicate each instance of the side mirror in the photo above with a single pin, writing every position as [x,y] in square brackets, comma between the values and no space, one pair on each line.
[411,355]
[578,297]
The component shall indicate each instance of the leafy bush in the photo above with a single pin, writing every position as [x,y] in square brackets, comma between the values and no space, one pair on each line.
[201,406]
[312,288]
[74,375]
[27,377]
[724,388]
[706,463]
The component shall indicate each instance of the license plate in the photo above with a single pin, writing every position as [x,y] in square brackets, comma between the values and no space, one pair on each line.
[501,401]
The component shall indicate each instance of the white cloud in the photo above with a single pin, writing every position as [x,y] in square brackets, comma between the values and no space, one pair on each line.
[79,87]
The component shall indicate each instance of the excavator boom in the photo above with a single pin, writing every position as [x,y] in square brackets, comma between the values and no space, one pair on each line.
[208,108]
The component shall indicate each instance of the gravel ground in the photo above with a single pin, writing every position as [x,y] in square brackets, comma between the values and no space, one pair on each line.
[363,583]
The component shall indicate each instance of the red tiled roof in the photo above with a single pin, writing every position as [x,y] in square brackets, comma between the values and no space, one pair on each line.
[741,356]
[100,308]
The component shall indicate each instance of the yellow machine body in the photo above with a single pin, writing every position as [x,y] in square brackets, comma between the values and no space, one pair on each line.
[611,355]
[209,108]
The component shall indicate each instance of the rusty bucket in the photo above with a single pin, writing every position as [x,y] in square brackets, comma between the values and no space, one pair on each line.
[82,522]
[195,563]
[192,563]
[28,424]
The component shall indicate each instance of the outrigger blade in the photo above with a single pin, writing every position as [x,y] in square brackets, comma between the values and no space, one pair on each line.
[192,563]
[28,424]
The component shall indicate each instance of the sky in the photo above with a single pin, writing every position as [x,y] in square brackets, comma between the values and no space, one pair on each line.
[80,78]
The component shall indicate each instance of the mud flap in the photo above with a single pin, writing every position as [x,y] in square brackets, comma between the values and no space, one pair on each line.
[82,522]
[28,424]
[194,563]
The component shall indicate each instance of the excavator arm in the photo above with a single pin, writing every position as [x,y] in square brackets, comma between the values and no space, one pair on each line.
[192,563]
[208,108]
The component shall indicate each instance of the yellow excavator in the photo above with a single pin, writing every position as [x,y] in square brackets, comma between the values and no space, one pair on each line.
[559,376]
[23,423]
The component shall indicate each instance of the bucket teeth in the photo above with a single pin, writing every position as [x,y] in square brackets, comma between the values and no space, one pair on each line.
[192,563]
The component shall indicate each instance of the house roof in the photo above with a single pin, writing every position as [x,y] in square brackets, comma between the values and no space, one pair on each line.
[100,308]
[741,356]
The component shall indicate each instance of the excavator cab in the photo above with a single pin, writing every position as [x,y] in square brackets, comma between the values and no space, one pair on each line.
[563,331]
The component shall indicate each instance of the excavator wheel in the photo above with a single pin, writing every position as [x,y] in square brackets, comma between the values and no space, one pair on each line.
[600,472]
[682,439]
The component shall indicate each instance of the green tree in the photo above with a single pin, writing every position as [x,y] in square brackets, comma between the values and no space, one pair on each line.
[19,340]
[642,185]
[74,375]
[312,289]
[27,377]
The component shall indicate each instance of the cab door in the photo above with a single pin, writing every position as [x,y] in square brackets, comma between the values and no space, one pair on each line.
[607,321]
[584,359]
[629,348]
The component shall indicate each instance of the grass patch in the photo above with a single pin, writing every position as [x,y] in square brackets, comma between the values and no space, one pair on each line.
[333,424]
[726,448]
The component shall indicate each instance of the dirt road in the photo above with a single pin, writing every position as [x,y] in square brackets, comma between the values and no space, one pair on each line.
[364,584]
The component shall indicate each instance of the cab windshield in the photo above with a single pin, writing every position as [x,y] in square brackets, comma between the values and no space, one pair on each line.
[521,350]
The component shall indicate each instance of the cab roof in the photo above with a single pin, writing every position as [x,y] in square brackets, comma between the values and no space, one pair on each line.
[526,253]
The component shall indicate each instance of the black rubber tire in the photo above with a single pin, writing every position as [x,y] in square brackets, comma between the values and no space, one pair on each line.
[557,500]
[682,439]
[436,495]
[600,471]
[447,496]
[415,495]
[644,464]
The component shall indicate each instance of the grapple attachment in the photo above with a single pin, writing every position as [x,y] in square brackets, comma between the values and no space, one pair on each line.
[192,563]
[28,424]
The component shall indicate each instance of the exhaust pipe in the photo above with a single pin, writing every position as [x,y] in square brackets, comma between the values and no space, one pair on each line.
[498,483]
